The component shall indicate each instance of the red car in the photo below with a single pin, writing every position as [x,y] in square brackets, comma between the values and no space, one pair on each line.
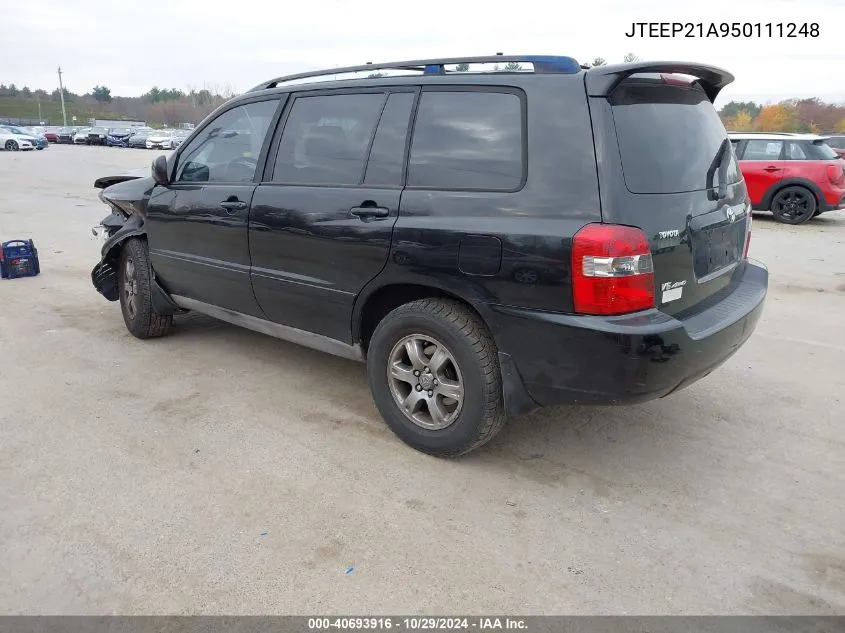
[795,176]
[50,135]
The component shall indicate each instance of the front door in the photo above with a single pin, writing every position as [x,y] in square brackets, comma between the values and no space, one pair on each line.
[197,225]
[323,216]
[761,162]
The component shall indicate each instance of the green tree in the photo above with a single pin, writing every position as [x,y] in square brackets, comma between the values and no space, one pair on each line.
[462,68]
[102,94]
[4,91]
[598,61]
[26,92]
[733,108]
[55,96]
[512,67]
[630,57]
[13,90]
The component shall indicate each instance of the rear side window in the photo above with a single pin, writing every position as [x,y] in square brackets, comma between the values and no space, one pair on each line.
[467,140]
[668,137]
[819,150]
[387,155]
[795,151]
[326,138]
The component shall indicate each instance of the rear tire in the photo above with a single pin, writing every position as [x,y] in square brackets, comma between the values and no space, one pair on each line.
[134,284]
[793,205]
[424,352]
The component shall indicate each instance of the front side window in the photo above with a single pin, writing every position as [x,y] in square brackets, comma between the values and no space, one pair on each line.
[227,149]
[762,150]
[326,138]
[467,140]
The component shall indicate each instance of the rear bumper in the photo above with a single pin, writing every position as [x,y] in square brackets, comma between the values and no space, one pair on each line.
[571,359]
[833,205]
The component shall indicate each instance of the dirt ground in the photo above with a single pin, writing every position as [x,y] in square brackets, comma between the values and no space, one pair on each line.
[221,471]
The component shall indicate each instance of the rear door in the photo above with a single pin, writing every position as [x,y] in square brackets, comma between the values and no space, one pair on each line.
[666,166]
[763,165]
[323,215]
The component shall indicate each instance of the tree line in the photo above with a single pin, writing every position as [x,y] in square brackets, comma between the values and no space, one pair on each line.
[811,115]
[169,106]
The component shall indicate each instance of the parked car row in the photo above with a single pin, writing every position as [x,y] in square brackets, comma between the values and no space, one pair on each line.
[13,138]
[795,176]
[19,138]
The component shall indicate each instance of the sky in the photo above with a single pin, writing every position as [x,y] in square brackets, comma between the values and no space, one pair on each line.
[184,44]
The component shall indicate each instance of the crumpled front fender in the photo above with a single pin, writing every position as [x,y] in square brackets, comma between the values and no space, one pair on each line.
[104,274]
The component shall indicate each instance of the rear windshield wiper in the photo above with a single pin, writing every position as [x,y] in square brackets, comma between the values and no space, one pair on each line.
[720,164]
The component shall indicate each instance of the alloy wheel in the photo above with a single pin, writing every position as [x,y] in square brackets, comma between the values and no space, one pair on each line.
[130,288]
[425,381]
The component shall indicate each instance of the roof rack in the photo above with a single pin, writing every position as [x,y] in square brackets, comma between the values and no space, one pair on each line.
[541,63]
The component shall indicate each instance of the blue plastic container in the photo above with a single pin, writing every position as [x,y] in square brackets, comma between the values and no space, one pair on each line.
[18,258]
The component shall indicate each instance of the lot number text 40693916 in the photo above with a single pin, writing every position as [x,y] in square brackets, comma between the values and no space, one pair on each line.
[723,29]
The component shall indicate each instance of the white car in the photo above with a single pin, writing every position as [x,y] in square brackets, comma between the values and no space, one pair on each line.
[13,141]
[160,139]
[81,137]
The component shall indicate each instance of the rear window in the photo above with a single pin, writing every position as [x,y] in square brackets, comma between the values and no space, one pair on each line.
[668,137]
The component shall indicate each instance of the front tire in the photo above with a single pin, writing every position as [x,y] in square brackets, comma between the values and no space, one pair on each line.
[134,283]
[12,146]
[433,370]
[793,205]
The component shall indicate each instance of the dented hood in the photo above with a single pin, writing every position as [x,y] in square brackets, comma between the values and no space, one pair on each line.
[107,181]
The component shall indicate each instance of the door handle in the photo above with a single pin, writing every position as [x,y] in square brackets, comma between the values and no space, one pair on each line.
[233,205]
[771,168]
[369,212]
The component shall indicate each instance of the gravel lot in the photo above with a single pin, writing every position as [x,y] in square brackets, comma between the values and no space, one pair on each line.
[221,471]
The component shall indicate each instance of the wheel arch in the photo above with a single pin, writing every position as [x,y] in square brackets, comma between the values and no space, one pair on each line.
[818,194]
[104,275]
[378,299]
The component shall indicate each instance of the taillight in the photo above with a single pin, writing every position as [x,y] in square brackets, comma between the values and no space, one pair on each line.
[835,173]
[748,219]
[612,270]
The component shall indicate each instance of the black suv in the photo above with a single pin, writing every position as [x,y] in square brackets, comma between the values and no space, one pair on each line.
[488,242]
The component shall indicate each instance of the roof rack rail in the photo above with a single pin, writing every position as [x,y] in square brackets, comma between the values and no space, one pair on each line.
[541,63]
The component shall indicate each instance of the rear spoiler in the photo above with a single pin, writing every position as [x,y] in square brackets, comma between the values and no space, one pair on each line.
[601,80]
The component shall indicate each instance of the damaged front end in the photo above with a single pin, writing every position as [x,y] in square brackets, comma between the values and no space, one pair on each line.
[127,196]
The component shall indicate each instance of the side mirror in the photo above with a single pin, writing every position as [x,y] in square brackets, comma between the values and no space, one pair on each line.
[160,170]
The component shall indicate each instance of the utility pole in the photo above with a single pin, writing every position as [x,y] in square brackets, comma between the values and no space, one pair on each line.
[39,111]
[62,95]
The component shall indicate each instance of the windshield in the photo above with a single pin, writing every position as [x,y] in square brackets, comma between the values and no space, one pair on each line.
[15,130]
[668,137]
[119,130]
[98,130]
[160,133]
